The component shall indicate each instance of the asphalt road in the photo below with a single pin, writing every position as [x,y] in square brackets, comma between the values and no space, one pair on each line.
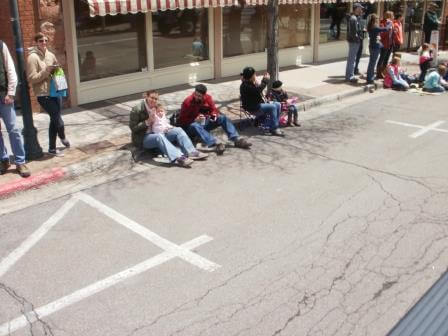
[337,229]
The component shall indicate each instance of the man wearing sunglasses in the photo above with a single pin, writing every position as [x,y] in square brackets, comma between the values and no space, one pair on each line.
[199,115]
[8,84]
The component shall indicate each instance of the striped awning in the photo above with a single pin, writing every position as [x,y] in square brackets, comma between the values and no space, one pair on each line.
[113,7]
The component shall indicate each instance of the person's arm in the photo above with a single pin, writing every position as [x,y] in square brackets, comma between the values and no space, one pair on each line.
[135,124]
[213,110]
[391,72]
[10,71]
[34,75]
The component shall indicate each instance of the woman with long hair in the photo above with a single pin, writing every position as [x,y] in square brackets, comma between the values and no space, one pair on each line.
[375,45]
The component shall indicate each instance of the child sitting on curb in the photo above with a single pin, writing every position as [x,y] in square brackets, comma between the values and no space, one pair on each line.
[393,77]
[425,60]
[433,80]
[277,94]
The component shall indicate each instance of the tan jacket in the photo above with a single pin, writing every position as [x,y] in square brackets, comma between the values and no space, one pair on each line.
[38,75]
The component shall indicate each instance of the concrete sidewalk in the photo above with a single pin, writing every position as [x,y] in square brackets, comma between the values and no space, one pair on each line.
[98,131]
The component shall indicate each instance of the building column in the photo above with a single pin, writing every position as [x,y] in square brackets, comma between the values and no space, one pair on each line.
[217,42]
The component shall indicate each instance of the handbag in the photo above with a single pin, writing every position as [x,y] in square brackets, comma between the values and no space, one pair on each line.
[59,80]
[54,92]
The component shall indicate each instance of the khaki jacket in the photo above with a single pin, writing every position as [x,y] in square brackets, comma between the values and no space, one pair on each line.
[38,75]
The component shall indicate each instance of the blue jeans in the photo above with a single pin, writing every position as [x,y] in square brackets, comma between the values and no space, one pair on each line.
[272,111]
[8,115]
[434,89]
[164,142]
[374,53]
[52,105]
[353,48]
[203,131]
[358,56]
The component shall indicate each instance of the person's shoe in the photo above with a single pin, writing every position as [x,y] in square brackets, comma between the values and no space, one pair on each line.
[277,132]
[55,152]
[356,72]
[184,162]
[353,80]
[66,143]
[242,143]
[296,123]
[289,124]
[23,170]
[4,166]
[220,148]
[197,155]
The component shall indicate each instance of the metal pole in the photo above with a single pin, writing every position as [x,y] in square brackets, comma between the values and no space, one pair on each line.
[32,147]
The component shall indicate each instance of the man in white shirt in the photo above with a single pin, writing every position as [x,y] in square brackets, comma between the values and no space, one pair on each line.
[8,84]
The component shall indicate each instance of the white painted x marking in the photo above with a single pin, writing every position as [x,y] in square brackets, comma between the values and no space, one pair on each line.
[423,129]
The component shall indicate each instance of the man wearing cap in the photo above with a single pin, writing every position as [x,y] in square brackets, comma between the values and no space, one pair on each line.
[8,84]
[199,115]
[253,101]
[354,37]
[431,21]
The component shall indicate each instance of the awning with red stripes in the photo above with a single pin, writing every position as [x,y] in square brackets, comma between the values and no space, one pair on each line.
[113,7]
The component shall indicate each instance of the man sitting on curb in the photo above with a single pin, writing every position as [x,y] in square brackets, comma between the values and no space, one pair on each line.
[8,83]
[151,129]
[199,115]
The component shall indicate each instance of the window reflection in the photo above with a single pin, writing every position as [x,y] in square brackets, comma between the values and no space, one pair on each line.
[294,25]
[104,42]
[333,22]
[180,37]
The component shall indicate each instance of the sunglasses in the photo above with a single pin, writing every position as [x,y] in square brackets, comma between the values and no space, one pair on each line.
[42,41]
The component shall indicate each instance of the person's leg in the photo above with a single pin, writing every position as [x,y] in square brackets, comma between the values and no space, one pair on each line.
[273,112]
[351,59]
[374,53]
[338,30]
[196,129]
[387,54]
[437,89]
[228,127]
[8,115]
[178,134]
[52,108]
[358,57]
[159,141]
[427,36]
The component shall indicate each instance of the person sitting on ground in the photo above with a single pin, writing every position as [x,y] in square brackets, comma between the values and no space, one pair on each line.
[433,80]
[253,101]
[393,77]
[199,115]
[277,94]
[151,130]
[425,60]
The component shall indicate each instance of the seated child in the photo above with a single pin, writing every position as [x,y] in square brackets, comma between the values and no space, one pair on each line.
[433,80]
[277,94]
[393,77]
[424,61]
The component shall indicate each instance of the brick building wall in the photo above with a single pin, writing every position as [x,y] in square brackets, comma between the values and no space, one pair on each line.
[33,16]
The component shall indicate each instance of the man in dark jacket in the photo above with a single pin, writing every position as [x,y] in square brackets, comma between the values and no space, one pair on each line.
[199,115]
[431,21]
[354,37]
[253,101]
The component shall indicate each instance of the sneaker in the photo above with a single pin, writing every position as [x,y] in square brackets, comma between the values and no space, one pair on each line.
[23,170]
[242,143]
[277,132]
[66,143]
[296,123]
[353,80]
[220,149]
[184,162]
[197,155]
[4,166]
[55,152]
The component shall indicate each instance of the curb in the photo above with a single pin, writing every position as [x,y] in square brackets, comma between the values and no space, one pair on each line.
[100,163]
[309,104]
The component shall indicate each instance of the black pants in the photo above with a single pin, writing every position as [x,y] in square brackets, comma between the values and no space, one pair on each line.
[427,36]
[52,106]
[384,57]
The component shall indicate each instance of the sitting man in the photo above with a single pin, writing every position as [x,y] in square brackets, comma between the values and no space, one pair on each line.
[151,129]
[253,101]
[199,115]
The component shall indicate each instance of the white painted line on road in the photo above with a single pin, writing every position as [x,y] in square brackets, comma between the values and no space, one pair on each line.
[50,308]
[34,238]
[154,238]
[423,129]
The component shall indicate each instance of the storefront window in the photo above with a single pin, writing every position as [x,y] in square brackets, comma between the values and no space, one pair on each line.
[294,25]
[104,42]
[333,21]
[244,30]
[180,37]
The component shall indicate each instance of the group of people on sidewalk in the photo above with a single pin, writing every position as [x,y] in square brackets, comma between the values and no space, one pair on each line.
[385,40]
[198,116]
[41,65]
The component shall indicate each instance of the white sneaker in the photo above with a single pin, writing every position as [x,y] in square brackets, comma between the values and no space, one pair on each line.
[55,152]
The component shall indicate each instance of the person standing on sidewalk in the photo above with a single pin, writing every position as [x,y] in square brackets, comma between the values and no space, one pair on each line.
[151,130]
[199,115]
[374,44]
[431,21]
[8,84]
[387,39]
[354,36]
[41,64]
[362,21]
